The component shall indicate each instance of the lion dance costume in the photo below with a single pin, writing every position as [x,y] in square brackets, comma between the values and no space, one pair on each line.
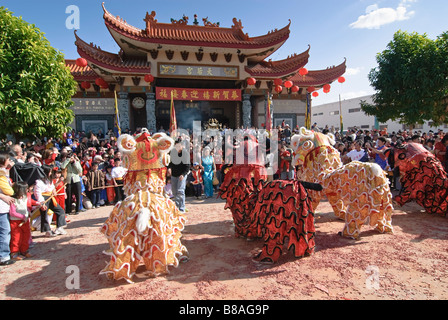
[146,225]
[358,192]
[422,178]
[274,211]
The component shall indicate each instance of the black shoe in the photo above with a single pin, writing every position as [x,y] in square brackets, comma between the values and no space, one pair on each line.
[76,213]
[7,263]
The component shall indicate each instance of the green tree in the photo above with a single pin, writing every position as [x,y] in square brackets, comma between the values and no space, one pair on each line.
[411,80]
[35,85]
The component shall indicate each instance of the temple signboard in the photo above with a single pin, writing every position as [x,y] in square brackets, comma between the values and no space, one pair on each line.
[163,93]
[198,71]
[93,106]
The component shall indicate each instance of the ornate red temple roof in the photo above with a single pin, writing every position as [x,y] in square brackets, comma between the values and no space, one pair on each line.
[318,78]
[136,44]
[80,73]
[181,33]
[111,61]
[279,68]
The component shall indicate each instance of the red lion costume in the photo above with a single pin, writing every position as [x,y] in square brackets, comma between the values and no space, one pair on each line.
[422,177]
[272,211]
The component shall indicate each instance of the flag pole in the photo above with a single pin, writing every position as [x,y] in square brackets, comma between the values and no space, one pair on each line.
[340,116]
[117,117]
[173,122]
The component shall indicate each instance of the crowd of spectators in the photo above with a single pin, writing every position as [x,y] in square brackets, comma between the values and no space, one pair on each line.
[86,170]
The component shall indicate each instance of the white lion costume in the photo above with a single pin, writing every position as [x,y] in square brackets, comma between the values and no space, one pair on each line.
[358,192]
[146,226]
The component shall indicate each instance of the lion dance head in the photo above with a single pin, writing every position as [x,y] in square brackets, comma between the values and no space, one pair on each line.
[307,141]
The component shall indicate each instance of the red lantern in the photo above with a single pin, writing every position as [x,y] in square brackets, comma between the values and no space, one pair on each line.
[81,62]
[288,84]
[85,85]
[295,89]
[278,89]
[326,91]
[251,81]
[100,82]
[311,89]
[315,94]
[303,72]
[149,78]
[278,82]
[341,80]
[104,85]
[327,87]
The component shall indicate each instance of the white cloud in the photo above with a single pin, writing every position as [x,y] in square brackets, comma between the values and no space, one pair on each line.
[376,17]
[353,71]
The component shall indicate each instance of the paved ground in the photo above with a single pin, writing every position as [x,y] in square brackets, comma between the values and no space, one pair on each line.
[410,264]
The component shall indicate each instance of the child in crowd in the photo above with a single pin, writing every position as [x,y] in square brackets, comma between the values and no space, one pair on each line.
[59,184]
[197,182]
[118,173]
[19,221]
[284,163]
[44,191]
[109,183]
[167,188]
[94,184]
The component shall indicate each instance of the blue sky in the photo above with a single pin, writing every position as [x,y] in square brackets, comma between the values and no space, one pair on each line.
[352,29]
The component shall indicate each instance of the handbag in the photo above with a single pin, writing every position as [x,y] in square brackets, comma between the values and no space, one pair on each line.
[215,179]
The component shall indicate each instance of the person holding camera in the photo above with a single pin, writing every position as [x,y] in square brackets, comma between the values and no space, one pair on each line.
[73,168]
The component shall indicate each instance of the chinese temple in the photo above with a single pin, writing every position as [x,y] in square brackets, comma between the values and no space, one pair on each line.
[210,72]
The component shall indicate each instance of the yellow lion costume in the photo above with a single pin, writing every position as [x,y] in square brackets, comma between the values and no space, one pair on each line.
[358,192]
[146,225]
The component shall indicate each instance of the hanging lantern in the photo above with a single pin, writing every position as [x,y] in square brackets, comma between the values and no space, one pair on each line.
[278,89]
[315,94]
[81,62]
[100,82]
[251,81]
[104,85]
[341,79]
[311,89]
[85,85]
[303,72]
[278,82]
[295,89]
[326,90]
[288,84]
[327,87]
[149,78]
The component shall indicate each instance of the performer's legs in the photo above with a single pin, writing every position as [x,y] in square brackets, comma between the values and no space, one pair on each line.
[60,214]
[68,201]
[178,187]
[78,194]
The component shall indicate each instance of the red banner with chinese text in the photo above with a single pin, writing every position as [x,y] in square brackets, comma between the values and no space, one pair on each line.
[198,94]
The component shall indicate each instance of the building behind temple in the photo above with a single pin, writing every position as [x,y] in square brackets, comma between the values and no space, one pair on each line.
[205,66]
[354,118]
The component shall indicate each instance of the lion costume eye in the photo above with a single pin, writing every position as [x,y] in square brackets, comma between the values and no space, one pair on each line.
[126,143]
[308,145]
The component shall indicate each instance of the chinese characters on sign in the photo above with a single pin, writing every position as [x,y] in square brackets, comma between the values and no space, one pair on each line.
[93,106]
[180,70]
[198,94]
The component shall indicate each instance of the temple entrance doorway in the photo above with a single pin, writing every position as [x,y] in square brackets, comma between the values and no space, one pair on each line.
[186,117]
